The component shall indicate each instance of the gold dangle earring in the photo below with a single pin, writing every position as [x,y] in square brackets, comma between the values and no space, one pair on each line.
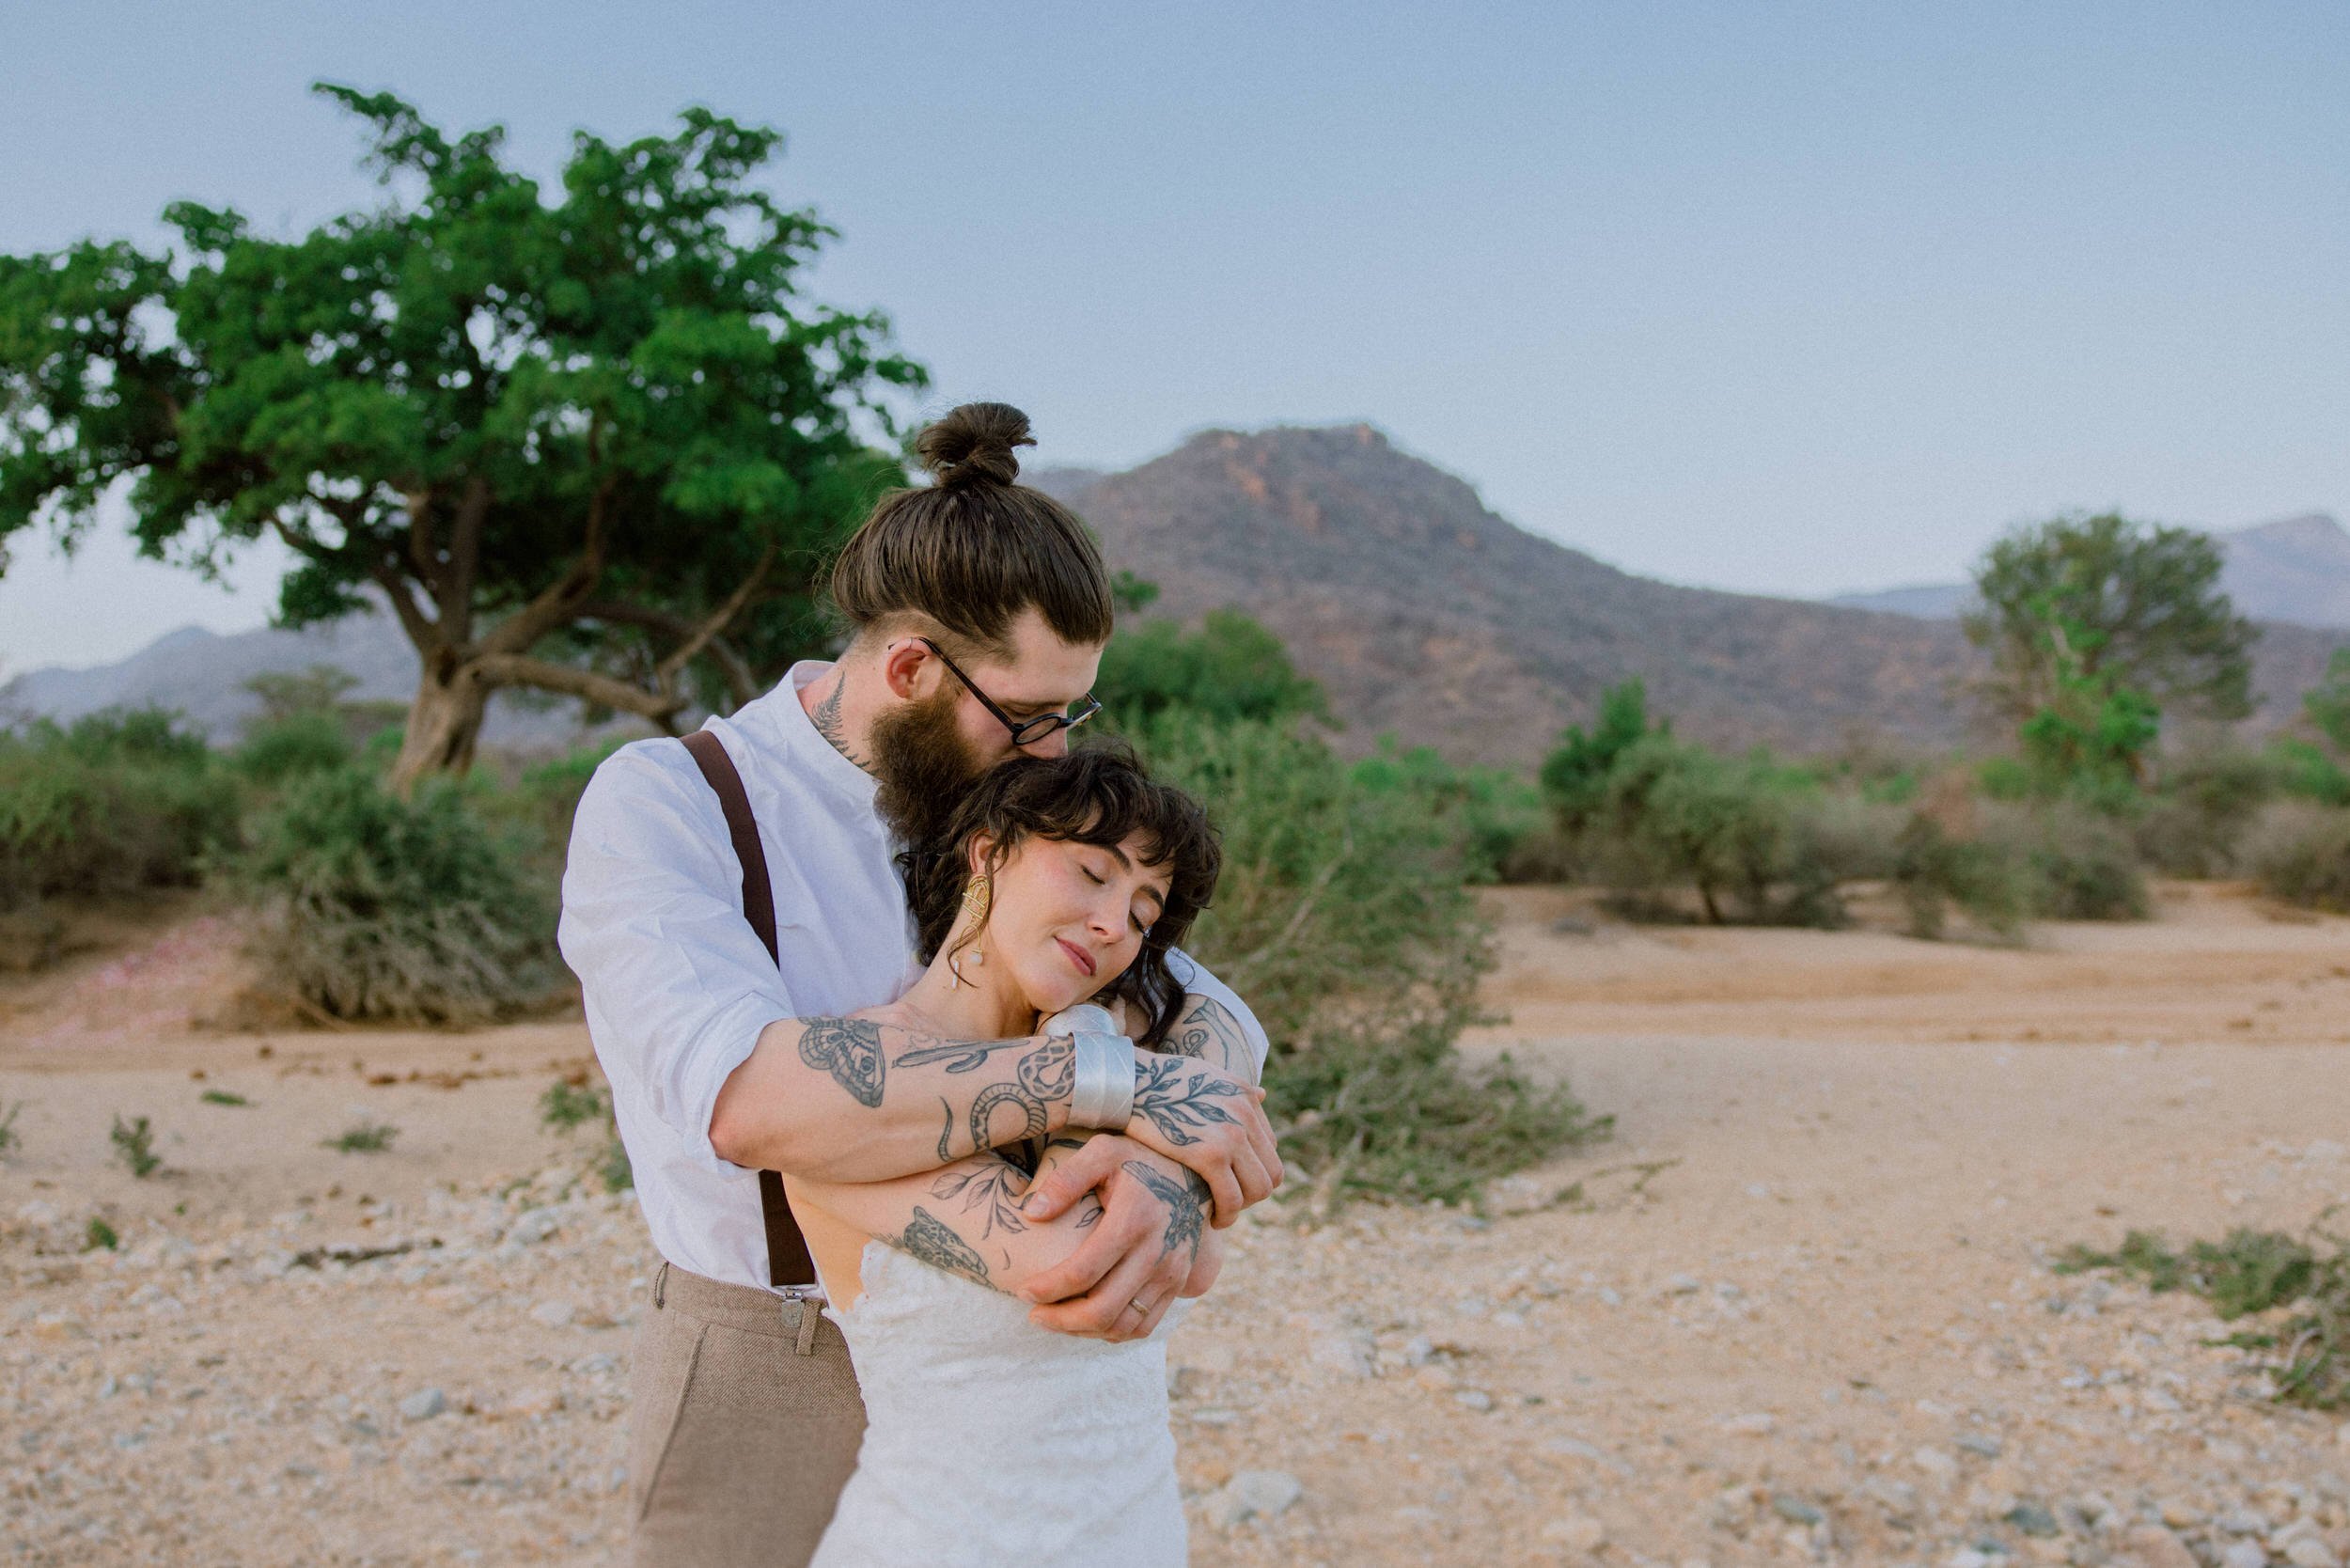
[979,897]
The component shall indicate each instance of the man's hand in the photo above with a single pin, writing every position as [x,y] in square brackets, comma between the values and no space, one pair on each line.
[1203,1117]
[1144,1251]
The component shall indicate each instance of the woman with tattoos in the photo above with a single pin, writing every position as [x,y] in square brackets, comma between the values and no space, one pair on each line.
[988,1439]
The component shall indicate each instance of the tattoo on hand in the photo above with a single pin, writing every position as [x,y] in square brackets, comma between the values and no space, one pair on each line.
[1186,1203]
[928,1240]
[850,1050]
[946,1133]
[1177,1102]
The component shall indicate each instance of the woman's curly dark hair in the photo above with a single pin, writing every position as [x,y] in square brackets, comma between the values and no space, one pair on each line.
[1100,795]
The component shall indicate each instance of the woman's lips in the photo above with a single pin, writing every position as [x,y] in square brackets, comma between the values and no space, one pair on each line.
[1078,955]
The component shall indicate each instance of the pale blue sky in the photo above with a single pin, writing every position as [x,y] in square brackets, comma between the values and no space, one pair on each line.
[1786,298]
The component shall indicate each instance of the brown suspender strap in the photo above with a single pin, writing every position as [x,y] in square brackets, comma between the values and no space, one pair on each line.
[788,1263]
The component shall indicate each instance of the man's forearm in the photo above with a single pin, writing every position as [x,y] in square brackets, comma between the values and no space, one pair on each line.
[1205,1028]
[848,1100]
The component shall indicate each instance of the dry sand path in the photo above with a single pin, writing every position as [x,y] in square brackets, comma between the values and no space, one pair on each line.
[1795,1310]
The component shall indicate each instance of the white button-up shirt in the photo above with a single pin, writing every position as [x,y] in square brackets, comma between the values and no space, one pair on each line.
[677,984]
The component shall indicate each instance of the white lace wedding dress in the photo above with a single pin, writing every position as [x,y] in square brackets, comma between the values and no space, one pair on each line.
[991,1442]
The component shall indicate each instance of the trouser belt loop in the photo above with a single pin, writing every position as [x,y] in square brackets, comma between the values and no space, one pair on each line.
[801,1313]
[660,1284]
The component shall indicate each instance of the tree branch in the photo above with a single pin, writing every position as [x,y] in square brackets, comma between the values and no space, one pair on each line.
[559,600]
[741,681]
[430,638]
[666,672]
[517,669]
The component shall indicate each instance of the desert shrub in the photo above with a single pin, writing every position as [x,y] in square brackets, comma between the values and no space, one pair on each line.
[100,1236]
[113,804]
[2082,863]
[2308,772]
[275,750]
[8,1126]
[1486,812]
[373,907]
[566,1106]
[365,1136]
[1935,870]
[1343,918]
[1752,837]
[2300,853]
[135,1146]
[2194,822]
[2251,1273]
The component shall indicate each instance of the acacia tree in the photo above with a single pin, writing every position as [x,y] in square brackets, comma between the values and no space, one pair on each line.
[594,445]
[2111,602]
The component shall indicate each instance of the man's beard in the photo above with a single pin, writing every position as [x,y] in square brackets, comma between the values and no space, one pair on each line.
[925,767]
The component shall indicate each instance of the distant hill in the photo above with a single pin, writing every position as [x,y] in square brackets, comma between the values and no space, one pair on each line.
[2297,571]
[202,674]
[1420,611]
[1425,613]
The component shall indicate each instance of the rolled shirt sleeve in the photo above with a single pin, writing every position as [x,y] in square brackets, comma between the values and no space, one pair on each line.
[677,985]
[1192,976]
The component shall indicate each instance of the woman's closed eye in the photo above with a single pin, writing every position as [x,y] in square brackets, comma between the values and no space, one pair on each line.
[1099,881]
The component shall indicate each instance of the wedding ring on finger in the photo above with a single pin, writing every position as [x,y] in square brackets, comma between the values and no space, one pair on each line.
[1137,1305]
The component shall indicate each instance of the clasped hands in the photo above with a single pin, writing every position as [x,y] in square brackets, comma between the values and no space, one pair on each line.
[1191,1119]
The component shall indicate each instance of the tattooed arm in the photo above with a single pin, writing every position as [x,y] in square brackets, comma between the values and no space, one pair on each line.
[972,1218]
[915,1102]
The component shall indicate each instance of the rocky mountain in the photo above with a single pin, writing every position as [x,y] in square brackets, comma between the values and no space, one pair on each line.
[1421,612]
[1425,613]
[2295,571]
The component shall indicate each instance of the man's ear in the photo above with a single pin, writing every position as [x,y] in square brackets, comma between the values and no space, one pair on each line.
[903,663]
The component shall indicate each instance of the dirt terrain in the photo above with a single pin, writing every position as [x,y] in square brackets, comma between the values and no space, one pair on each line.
[1796,1310]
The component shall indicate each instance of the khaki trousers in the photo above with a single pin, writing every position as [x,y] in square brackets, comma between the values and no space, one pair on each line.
[743,1424]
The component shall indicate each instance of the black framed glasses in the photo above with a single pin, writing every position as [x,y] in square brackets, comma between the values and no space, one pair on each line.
[1023,731]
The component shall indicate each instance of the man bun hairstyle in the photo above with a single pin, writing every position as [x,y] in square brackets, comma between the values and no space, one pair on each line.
[974,548]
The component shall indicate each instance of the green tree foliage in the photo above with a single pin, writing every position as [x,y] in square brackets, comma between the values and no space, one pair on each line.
[2107,599]
[2327,704]
[2091,738]
[1230,669]
[593,445]
[1574,777]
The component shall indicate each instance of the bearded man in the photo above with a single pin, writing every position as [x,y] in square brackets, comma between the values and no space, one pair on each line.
[978,608]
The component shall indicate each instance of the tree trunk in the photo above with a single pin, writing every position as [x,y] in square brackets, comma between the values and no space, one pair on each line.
[444,722]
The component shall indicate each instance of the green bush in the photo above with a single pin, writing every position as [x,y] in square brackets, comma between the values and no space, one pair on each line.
[113,804]
[1752,837]
[2253,1273]
[2308,772]
[1487,812]
[2193,824]
[1934,871]
[2083,865]
[275,750]
[2301,853]
[1343,918]
[371,907]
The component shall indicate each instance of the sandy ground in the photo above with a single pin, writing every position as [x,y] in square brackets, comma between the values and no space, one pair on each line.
[1796,1310]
